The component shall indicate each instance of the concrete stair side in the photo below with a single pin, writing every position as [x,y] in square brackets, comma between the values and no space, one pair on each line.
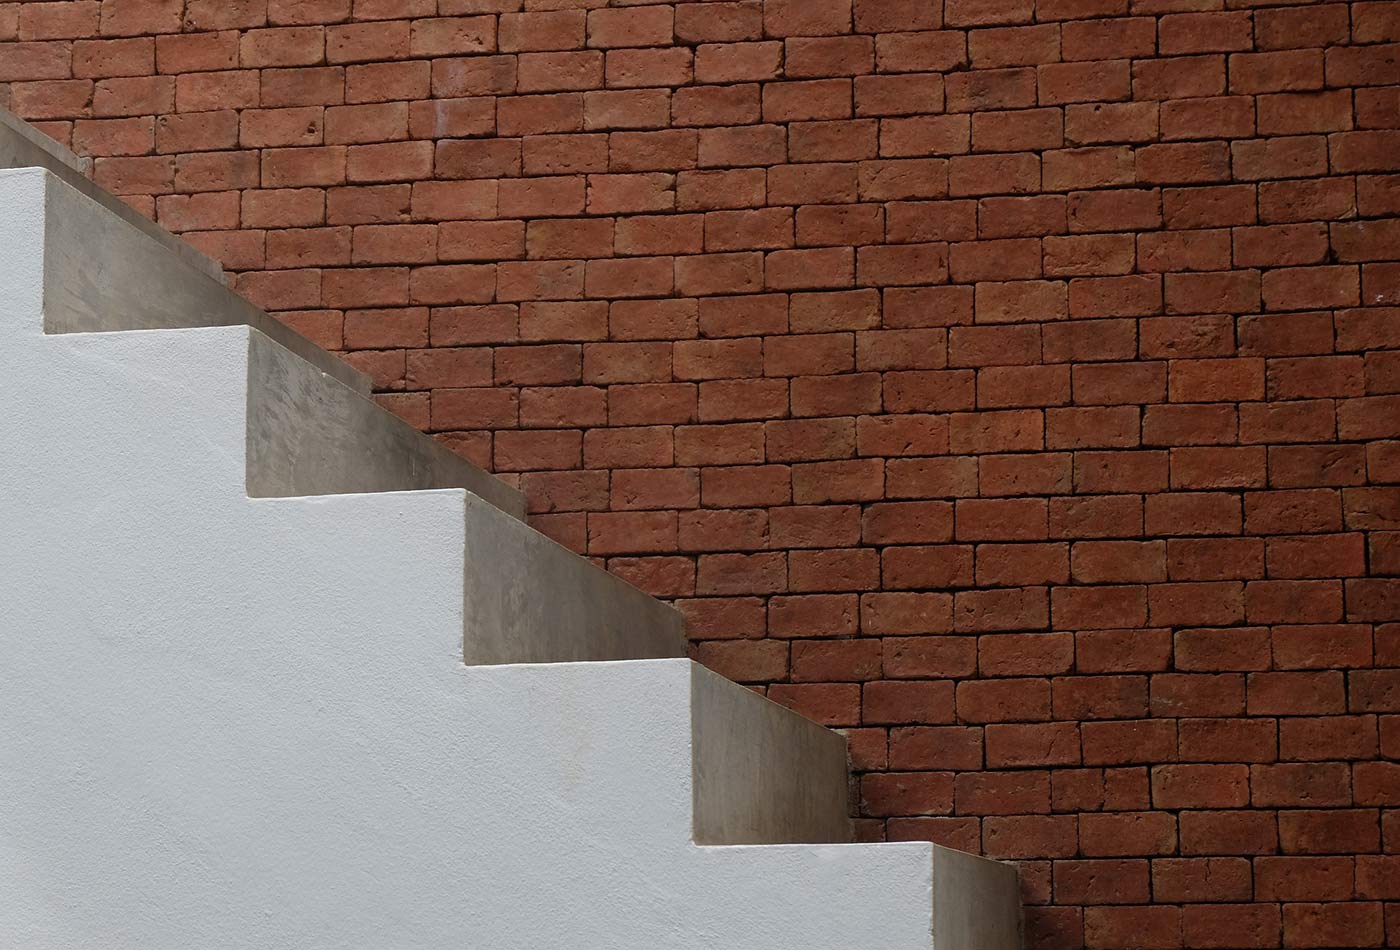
[310,435]
[515,807]
[516,595]
[528,599]
[305,434]
[762,774]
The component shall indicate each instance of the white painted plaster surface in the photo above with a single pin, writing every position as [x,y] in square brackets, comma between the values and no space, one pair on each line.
[231,722]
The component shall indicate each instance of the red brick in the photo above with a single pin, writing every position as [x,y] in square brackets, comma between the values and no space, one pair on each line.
[895,701]
[1375,876]
[1205,32]
[1002,793]
[1228,740]
[741,660]
[1303,878]
[1147,927]
[1185,694]
[385,204]
[936,747]
[1117,38]
[563,29]
[1100,697]
[1331,924]
[1027,836]
[1228,832]
[1044,744]
[832,704]
[834,661]
[1202,879]
[1240,925]
[1124,742]
[905,614]
[921,51]
[1041,654]
[1119,471]
[474,76]
[806,17]
[905,793]
[133,58]
[1344,737]
[1132,833]
[140,17]
[627,68]
[1118,651]
[1334,831]
[1102,882]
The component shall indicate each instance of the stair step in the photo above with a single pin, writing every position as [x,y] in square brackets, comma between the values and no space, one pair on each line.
[222,413]
[726,767]
[530,600]
[315,804]
[311,426]
[23,146]
[102,272]
[310,435]
[762,773]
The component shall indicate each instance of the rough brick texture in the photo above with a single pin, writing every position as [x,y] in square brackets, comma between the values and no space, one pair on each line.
[1012,383]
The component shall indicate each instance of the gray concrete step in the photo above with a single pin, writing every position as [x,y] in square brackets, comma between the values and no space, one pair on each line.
[762,774]
[103,272]
[23,146]
[313,428]
[308,434]
[528,599]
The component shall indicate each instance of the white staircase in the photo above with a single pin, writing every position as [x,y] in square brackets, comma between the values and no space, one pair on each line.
[236,598]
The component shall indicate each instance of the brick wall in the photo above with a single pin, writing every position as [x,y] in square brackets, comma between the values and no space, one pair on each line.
[1006,381]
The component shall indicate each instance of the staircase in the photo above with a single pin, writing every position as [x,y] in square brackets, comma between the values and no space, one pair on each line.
[278,671]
